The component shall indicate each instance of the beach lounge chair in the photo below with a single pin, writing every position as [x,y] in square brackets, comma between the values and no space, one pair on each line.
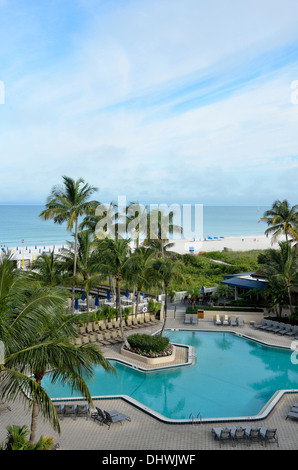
[141,319]
[70,410]
[194,318]
[268,435]
[293,413]
[237,434]
[85,339]
[221,435]
[187,318]
[100,339]
[280,327]
[217,320]
[293,331]
[78,341]
[116,418]
[89,328]
[108,337]
[272,326]
[225,320]
[82,330]
[59,410]
[233,321]
[240,321]
[263,322]
[83,410]
[115,336]
[102,325]
[116,323]
[96,327]
[252,434]
[286,330]
[268,324]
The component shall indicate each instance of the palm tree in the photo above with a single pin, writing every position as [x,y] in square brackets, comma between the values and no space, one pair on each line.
[282,264]
[48,269]
[224,291]
[137,217]
[281,219]
[67,203]
[38,340]
[113,258]
[87,270]
[167,271]
[160,227]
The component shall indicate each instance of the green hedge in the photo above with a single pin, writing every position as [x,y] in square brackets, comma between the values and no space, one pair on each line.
[149,344]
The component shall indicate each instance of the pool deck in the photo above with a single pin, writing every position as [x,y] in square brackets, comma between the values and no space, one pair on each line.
[147,433]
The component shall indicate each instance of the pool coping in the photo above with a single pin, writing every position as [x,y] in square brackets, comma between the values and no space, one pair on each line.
[191,355]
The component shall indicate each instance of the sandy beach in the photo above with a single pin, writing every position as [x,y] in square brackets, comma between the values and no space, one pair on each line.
[245,243]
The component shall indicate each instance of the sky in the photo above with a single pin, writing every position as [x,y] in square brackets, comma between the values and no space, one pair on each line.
[158,101]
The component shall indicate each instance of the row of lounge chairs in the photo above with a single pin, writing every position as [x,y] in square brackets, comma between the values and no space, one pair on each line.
[109,417]
[108,332]
[76,410]
[293,413]
[191,318]
[278,328]
[73,411]
[246,434]
[231,320]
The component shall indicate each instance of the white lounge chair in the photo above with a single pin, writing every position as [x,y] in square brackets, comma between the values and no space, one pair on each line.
[240,321]
[225,320]
[217,320]
[233,321]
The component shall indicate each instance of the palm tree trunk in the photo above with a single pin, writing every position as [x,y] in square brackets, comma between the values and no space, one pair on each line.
[119,307]
[290,299]
[75,263]
[34,416]
[165,310]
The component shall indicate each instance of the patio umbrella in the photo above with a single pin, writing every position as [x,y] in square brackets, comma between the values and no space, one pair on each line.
[96,301]
[203,290]
[83,296]
[127,293]
[109,295]
[143,295]
[76,304]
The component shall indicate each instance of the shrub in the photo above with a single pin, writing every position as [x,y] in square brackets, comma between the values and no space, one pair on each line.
[150,346]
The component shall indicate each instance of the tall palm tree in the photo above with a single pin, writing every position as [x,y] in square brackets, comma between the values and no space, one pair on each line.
[137,217]
[167,271]
[87,269]
[160,227]
[66,203]
[283,265]
[113,258]
[282,219]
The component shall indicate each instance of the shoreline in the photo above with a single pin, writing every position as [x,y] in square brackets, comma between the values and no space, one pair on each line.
[183,246]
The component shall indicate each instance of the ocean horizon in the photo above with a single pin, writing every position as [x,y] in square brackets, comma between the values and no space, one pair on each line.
[21,224]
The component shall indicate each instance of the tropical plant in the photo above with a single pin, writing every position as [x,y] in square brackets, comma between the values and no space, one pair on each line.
[224,291]
[66,203]
[282,264]
[39,340]
[161,226]
[166,270]
[17,439]
[113,259]
[282,219]
[48,269]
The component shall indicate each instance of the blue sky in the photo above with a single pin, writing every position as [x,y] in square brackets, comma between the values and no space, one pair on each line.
[160,101]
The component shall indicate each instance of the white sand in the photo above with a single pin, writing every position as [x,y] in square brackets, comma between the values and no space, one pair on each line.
[245,243]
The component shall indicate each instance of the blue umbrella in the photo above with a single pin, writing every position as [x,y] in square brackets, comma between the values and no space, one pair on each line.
[96,301]
[83,296]
[143,295]
[109,295]
[76,305]
[127,293]
[203,290]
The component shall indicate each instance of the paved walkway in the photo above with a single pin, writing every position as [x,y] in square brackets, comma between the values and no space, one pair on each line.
[144,432]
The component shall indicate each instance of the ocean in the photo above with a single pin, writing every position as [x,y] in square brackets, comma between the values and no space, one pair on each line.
[21,225]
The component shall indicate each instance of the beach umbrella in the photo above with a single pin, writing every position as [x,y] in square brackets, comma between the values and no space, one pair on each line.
[76,305]
[203,290]
[83,296]
[96,301]
[143,295]
[127,293]
[109,295]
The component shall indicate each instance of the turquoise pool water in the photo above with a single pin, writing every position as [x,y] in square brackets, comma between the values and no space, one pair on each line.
[232,377]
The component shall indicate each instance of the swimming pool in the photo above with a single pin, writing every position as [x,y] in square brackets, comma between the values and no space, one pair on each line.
[232,376]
